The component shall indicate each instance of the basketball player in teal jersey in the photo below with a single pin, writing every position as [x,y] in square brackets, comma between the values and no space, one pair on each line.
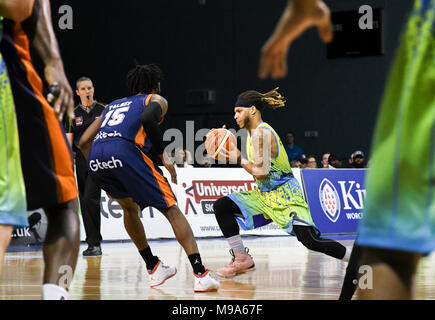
[399,220]
[13,211]
[278,196]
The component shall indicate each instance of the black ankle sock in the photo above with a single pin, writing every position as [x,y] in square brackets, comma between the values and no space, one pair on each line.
[150,260]
[195,261]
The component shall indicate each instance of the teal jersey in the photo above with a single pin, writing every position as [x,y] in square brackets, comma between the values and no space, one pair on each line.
[279,196]
[400,206]
[280,171]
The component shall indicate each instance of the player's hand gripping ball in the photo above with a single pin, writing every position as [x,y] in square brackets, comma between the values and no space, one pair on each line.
[219,143]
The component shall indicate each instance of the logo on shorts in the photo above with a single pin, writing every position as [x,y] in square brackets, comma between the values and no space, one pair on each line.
[329,200]
[96,164]
[79,121]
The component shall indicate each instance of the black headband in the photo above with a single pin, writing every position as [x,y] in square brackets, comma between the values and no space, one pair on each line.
[244,103]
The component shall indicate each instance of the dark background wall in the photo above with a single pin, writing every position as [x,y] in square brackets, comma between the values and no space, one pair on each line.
[216,44]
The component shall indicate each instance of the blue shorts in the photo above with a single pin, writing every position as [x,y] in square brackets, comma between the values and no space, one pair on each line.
[122,170]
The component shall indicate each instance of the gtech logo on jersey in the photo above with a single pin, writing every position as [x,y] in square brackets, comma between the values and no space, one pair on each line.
[96,165]
[328,197]
[104,135]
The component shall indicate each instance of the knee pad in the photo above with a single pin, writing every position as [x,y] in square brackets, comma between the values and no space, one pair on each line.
[306,237]
[224,210]
[219,205]
[224,205]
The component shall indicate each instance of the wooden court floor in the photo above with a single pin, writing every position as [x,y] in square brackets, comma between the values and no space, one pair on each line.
[285,270]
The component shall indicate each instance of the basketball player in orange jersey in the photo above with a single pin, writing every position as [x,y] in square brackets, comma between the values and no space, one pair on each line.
[125,132]
[42,149]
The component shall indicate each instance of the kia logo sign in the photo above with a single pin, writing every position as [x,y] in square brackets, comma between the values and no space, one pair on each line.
[329,200]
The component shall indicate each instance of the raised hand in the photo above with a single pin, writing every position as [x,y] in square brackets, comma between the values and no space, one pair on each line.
[298,16]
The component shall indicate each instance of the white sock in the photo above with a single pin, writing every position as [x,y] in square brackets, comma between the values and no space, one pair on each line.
[53,292]
[236,244]
[347,255]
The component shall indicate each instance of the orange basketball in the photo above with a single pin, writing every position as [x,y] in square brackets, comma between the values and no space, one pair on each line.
[218,139]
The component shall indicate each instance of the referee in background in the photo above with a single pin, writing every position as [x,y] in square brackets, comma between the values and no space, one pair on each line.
[89,194]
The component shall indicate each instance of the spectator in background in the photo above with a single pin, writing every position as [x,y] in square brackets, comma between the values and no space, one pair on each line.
[350,161]
[336,161]
[311,162]
[324,161]
[302,158]
[292,149]
[296,164]
[358,159]
[206,161]
[183,159]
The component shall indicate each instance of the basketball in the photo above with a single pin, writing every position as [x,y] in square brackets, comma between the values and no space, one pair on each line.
[217,139]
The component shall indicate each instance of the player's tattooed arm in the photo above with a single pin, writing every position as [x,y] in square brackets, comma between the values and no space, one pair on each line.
[261,153]
[88,136]
[16,10]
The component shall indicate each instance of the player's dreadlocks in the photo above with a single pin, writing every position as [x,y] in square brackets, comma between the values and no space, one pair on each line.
[144,78]
[272,99]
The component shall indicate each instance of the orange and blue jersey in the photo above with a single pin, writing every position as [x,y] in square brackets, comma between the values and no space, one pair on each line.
[121,118]
[46,157]
[117,159]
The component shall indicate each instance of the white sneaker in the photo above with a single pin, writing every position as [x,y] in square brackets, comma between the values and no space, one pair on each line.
[160,274]
[204,282]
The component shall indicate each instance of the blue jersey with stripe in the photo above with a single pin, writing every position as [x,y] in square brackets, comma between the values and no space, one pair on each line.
[121,119]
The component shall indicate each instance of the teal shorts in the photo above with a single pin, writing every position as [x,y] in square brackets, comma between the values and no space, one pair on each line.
[13,209]
[282,205]
[400,204]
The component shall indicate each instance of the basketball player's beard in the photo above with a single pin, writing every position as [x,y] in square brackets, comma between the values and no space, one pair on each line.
[245,124]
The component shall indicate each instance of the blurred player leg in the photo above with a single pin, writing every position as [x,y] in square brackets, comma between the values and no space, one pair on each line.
[61,246]
[351,276]
[393,274]
[398,225]
[5,238]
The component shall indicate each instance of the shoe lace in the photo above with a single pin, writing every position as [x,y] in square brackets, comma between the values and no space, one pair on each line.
[247,251]
[233,256]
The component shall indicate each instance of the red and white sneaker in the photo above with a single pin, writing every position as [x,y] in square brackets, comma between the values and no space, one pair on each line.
[204,282]
[160,274]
